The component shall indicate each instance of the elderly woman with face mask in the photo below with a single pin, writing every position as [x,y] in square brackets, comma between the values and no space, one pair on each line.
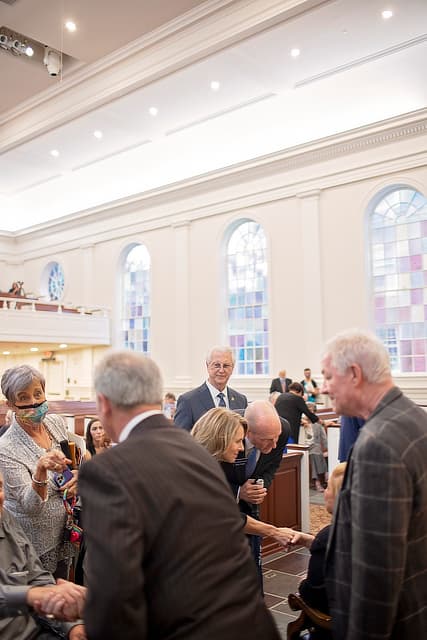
[30,458]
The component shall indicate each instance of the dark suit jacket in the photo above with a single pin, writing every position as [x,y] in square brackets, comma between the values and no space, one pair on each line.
[193,404]
[376,562]
[291,407]
[166,555]
[266,467]
[276,385]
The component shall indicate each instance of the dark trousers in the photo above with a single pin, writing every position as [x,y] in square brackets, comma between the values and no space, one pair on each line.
[255,545]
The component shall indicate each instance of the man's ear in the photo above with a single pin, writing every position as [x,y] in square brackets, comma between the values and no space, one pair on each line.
[103,404]
[356,374]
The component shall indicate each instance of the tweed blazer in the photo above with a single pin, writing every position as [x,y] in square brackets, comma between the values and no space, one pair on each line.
[195,403]
[376,562]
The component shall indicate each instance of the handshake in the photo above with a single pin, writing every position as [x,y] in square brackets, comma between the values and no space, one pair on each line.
[62,601]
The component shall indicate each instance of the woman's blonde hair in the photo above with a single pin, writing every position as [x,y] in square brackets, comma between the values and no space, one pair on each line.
[216,429]
[336,478]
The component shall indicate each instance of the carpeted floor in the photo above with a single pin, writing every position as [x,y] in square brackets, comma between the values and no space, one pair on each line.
[319,518]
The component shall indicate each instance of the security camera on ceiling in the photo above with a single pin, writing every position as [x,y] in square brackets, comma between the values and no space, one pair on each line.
[52,61]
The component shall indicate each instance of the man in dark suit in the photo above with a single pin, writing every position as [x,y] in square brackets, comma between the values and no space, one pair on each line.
[166,556]
[291,406]
[376,562]
[212,393]
[266,437]
[280,384]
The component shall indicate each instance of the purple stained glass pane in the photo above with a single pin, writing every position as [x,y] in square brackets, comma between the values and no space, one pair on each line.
[406,364]
[419,364]
[416,263]
[232,341]
[266,355]
[258,367]
[404,314]
[419,347]
[379,302]
[265,324]
[404,264]
[425,312]
[415,246]
[424,227]
[416,296]
[379,316]
[406,347]
[241,341]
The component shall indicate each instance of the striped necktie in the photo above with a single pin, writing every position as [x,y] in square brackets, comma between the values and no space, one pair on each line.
[251,463]
[221,402]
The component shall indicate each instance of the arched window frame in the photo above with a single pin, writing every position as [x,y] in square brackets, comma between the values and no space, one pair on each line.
[247,309]
[135,305]
[52,283]
[398,275]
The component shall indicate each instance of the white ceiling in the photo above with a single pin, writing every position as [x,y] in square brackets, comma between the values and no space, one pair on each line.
[354,69]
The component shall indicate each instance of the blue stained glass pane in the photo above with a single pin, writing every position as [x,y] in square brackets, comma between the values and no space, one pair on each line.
[136,297]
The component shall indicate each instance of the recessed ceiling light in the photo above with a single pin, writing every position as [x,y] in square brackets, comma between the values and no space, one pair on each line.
[215,85]
[98,134]
[153,111]
[295,52]
[29,51]
[63,346]
[54,153]
[34,348]
[6,353]
[70,26]
[387,13]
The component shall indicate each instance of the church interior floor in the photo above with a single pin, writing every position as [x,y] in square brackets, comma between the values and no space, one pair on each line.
[284,571]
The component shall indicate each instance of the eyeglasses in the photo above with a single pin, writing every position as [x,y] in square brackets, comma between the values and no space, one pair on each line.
[218,365]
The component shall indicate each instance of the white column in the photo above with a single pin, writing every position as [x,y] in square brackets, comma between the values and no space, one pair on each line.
[305,484]
[182,304]
[333,443]
[310,271]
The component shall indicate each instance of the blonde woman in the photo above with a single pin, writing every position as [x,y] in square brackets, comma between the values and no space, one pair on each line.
[222,432]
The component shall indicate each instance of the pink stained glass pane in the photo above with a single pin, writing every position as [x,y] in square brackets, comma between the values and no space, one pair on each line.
[416,262]
[380,316]
[424,227]
[404,264]
[379,302]
[405,314]
[406,364]
[418,347]
[419,364]
[416,296]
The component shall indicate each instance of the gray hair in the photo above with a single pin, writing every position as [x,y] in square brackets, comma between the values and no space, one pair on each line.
[220,349]
[129,379]
[18,378]
[259,412]
[362,348]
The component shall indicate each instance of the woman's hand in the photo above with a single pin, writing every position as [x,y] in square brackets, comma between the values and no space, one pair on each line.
[71,485]
[52,461]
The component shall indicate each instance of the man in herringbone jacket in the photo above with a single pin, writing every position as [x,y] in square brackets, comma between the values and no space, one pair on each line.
[376,562]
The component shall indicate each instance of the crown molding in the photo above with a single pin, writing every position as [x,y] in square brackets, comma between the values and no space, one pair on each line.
[164,207]
[206,29]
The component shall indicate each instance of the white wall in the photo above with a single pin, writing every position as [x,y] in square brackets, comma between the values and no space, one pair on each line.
[311,202]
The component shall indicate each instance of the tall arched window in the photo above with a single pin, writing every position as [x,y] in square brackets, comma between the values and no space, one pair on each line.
[247,298]
[398,235]
[135,321]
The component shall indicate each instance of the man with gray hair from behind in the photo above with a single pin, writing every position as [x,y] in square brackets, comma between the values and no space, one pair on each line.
[376,563]
[166,554]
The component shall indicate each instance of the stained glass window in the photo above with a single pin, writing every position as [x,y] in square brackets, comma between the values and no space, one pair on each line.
[136,290]
[247,298]
[55,281]
[398,236]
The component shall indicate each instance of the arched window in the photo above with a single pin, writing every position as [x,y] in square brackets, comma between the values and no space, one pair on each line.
[398,236]
[247,298]
[135,321]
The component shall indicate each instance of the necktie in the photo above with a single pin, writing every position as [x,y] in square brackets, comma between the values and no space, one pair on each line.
[251,463]
[221,402]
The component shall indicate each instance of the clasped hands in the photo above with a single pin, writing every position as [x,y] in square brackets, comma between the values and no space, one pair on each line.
[63,600]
